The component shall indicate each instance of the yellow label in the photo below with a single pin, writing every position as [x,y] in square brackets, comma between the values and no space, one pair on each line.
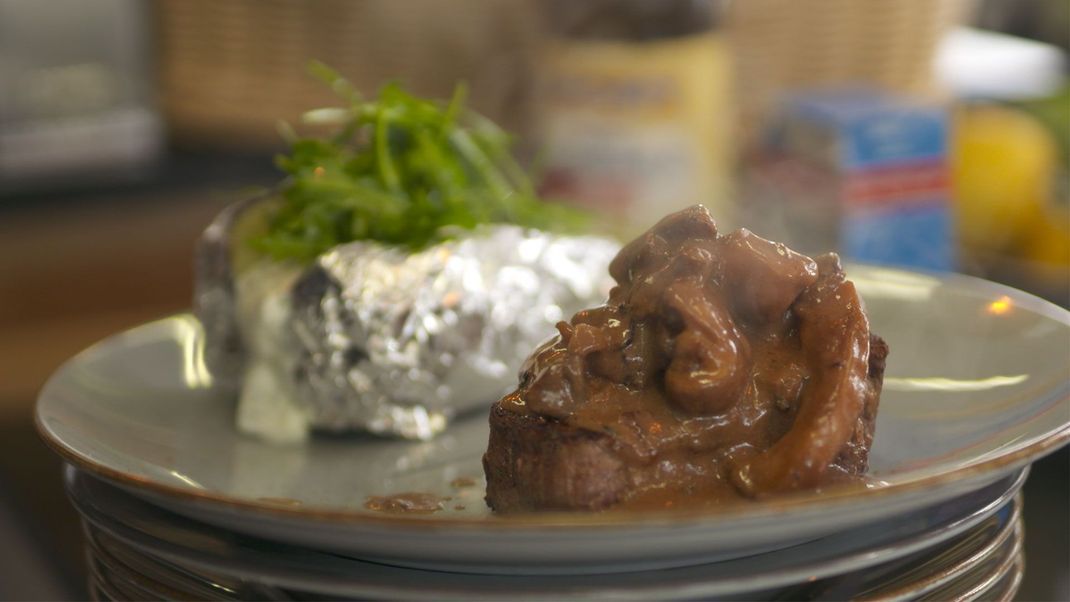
[638,129]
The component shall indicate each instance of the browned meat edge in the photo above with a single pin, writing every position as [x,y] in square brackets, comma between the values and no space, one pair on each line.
[538,463]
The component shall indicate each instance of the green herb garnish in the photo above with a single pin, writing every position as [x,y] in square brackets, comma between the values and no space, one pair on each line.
[400,170]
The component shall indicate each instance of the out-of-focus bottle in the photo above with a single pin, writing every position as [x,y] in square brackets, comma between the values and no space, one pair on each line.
[634,112]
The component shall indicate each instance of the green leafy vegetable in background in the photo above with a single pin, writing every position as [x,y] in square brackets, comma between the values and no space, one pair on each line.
[400,170]
[1054,113]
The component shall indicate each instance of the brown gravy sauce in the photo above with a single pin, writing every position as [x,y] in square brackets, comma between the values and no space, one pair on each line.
[463,482]
[723,367]
[406,503]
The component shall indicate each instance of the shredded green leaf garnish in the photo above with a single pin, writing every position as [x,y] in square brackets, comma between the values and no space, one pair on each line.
[400,170]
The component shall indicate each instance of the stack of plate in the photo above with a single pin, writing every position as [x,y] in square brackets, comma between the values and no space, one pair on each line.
[967,548]
[178,505]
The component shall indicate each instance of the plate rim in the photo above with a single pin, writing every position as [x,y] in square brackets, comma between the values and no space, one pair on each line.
[1021,453]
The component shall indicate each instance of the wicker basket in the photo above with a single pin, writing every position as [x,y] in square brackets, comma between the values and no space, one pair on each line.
[230,70]
[784,45]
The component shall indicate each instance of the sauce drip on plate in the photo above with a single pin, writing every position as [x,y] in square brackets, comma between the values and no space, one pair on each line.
[406,503]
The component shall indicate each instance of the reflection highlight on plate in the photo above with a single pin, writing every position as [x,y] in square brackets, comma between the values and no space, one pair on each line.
[185,479]
[1000,306]
[190,336]
[894,284]
[951,385]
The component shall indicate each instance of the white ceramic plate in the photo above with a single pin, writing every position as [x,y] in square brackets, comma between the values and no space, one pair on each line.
[903,554]
[976,386]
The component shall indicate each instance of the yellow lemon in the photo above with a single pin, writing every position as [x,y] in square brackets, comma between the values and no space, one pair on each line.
[1048,242]
[1046,253]
[1003,165]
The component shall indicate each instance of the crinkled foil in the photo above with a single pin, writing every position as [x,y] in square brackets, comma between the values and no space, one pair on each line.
[376,338]
[394,342]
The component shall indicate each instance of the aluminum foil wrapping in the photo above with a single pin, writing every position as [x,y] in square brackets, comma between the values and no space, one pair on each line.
[376,338]
[394,342]
[214,295]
